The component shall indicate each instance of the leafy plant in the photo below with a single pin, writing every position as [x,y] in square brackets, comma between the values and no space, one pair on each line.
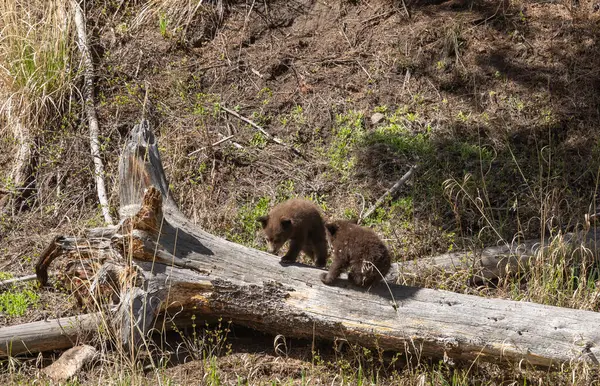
[14,303]
[246,225]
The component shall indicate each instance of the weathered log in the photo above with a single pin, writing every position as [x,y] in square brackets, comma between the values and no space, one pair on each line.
[47,335]
[170,266]
[495,262]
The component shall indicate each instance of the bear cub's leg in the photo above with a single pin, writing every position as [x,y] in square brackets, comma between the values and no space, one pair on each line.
[360,279]
[293,251]
[320,251]
[334,272]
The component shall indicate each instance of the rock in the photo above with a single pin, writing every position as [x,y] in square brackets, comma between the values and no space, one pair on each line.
[70,362]
[376,118]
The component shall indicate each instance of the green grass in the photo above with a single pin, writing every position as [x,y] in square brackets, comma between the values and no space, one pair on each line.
[348,132]
[163,23]
[15,302]
[246,225]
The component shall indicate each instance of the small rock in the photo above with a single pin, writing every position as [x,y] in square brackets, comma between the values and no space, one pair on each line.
[376,118]
[70,362]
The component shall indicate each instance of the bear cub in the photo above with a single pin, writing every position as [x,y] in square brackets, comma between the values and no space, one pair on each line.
[357,250]
[300,222]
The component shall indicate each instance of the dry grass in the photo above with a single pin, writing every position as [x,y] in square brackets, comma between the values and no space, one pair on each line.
[36,71]
[175,17]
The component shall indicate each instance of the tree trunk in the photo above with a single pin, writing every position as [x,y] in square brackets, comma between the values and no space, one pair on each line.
[161,264]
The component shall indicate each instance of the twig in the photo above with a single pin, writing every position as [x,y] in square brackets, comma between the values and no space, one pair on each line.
[220,141]
[263,131]
[22,279]
[88,92]
[145,100]
[406,79]
[405,9]
[391,192]
[235,144]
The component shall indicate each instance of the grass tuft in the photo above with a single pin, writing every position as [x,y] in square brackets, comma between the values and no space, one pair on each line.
[36,71]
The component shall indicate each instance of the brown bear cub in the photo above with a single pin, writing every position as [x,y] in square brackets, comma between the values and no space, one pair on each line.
[358,250]
[300,222]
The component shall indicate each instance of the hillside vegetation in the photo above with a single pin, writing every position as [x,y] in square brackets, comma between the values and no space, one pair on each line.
[497,102]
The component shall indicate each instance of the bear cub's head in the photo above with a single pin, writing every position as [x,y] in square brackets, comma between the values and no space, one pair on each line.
[334,227]
[277,231]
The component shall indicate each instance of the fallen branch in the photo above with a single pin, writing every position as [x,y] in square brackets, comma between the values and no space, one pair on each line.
[235,144]
[220,141]
[390,193]
[88,92]
[263,131]
[17,280]
[494,262]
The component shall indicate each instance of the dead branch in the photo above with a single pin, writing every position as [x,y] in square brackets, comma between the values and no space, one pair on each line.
[391,193]
[263,131]
[47,334]
[220,141]
[494,262]
[90,103]
[17,280]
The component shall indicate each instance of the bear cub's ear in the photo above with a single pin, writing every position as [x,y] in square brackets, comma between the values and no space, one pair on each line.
[264,220]
[332,228]
[286,223]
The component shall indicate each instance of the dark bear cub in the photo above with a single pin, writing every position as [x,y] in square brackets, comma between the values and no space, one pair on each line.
[300,222]
[357,250]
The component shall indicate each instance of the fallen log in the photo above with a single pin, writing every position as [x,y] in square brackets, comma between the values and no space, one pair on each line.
[47,335]
[159,263]
[495,262]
